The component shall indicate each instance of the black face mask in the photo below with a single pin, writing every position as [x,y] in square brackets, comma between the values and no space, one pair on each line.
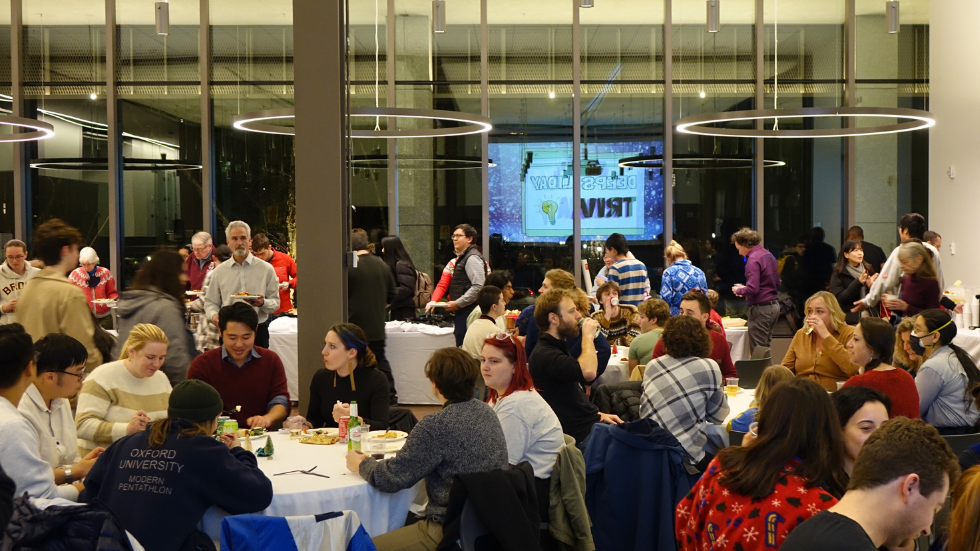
[916,345]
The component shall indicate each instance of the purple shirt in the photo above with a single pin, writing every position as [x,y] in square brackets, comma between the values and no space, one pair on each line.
[761,276]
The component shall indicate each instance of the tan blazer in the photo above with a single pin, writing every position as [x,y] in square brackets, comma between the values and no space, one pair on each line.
[50,303]
[831,365]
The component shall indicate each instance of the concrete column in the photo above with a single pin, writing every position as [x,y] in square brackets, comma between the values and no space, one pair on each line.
[322,203]
[876,170]
[416,188]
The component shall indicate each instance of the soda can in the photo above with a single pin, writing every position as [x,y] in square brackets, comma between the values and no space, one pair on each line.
[342,428]
[231,427]
[221,426]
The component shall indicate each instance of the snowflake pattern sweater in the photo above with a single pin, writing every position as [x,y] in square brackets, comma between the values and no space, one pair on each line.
[711,517]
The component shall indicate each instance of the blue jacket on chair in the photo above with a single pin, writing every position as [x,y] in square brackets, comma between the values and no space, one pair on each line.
[634,477]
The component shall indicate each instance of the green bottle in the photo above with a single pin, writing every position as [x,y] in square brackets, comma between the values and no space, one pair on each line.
[353,429]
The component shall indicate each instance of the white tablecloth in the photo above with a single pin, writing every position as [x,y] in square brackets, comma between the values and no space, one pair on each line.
[739,337]
[406,352]
[969,340]
[299,494]
[618,370]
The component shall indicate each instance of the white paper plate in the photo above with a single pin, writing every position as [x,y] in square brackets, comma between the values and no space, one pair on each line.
[244,297]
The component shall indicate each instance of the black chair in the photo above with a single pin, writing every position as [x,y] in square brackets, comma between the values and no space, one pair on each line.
[961,442]
[762,352]
[735,438]
[750,371]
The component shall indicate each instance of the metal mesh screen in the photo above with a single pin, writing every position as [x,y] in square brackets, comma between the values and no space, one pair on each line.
[63,55]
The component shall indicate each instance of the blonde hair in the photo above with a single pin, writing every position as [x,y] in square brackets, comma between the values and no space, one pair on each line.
[139,336]
[581,301]
[927,270]
[771,376]
[900,356]
[560,279]
[964,533]
[836,314]
[674,252]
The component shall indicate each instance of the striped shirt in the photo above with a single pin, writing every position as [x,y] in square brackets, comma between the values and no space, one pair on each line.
[631,276]
[110,397]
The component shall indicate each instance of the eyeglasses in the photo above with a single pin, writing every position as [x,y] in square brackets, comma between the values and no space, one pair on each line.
[81,377]
[459,236]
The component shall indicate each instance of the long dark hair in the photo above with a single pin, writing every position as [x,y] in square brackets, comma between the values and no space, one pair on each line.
[162,271]
[798,421]
[850,399]
[394,252]
[847,247]
[934,319]
[880,338]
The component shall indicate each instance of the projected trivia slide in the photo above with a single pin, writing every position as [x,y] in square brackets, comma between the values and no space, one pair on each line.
[531,192]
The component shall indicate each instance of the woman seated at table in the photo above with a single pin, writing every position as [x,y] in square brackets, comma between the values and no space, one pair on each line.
[860,410]
[617,322]
[771,376]
[120,398]
[946,377]
[350,373]
[920,284]
[851,278]
[464,437]
[193,472]
[795,460]
[904,356]
[871,348]
[157,297]
[531,428]
[653,314]
[818,349]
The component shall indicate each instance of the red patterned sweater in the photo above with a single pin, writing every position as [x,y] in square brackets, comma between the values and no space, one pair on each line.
[712,518]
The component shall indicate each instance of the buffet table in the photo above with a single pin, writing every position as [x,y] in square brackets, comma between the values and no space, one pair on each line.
[300,494]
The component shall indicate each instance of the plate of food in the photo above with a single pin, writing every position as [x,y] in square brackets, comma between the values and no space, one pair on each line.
[320,440]
[389,435]
[334,431]
[439,304]
[244,296]
[195,292]
[104,301]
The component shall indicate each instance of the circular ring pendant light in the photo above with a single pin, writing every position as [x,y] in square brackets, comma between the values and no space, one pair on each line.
[39,130]
[695,162]
[102,164]
[915,119]
[471,123]
[697,124]
[378,161]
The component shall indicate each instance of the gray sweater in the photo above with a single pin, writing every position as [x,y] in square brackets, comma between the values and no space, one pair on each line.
[465,437]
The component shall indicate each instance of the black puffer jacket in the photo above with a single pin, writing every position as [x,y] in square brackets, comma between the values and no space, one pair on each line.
[72,528]
[622,399]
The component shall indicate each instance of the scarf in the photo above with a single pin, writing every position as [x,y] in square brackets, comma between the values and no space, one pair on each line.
[93,280]
[856,272]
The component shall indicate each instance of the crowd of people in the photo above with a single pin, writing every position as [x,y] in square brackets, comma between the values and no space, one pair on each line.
[843,446]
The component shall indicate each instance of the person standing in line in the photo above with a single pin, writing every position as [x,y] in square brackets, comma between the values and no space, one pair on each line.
[680,277]
[206,334]
[51,303]
[466,282]
[200,263]
[817,262]
[97,283]
[15,272]
[761,286]
[370,289]
[285,268]
[629,273]
[246,274]
[900,480]
[873,254]
[933,238]
[403,270]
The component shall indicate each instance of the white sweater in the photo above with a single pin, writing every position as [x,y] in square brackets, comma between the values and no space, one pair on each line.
[110,397]
[532,430]
[11,285]
[20,451]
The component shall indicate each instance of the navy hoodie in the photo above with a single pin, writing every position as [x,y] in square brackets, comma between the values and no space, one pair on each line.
[160,494]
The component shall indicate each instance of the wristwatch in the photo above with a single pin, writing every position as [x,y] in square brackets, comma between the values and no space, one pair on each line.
[68,478]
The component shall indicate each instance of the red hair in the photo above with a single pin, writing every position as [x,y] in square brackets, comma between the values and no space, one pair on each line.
[514,352]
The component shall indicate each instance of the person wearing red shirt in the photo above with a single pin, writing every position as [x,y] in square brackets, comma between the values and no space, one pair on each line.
[200,261]
[750,498]
[284,265]
[695,304]
[872,348]
[244,375]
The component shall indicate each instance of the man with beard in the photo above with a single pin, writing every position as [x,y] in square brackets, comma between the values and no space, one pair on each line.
[899,483]
[559,377]
[50,303]
[247,274]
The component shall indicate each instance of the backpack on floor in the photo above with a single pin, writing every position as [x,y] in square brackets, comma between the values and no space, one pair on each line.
[423,289]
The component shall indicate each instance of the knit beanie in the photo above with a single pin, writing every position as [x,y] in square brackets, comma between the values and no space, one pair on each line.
[194,401]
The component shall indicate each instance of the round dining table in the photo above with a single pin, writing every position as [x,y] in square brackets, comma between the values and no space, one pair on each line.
[329,487]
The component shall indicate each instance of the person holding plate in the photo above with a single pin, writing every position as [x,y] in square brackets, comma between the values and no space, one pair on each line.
[350,373]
